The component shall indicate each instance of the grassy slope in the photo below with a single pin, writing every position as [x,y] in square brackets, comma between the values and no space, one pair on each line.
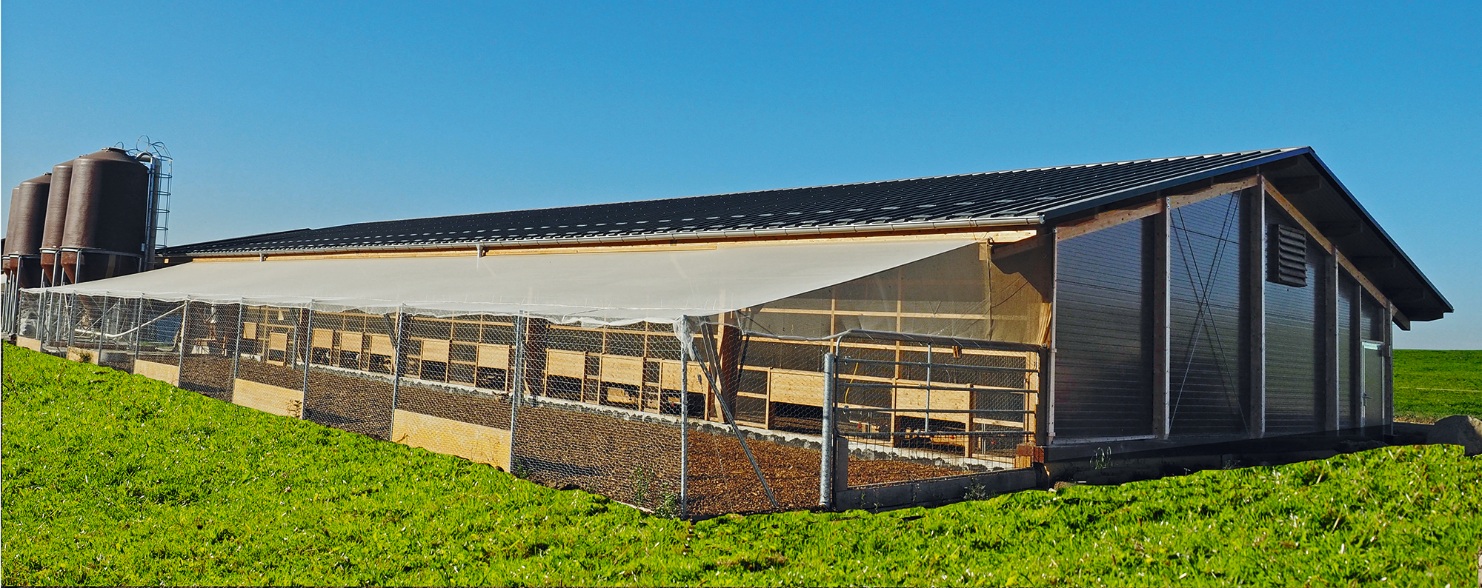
[1434,384]
[111,478]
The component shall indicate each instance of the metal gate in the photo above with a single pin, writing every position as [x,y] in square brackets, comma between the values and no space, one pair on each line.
[950,408]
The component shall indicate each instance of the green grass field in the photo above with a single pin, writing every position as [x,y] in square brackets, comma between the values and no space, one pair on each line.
[110,478]
[1433,384]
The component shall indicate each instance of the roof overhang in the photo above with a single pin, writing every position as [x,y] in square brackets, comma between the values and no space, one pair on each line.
[1313,189]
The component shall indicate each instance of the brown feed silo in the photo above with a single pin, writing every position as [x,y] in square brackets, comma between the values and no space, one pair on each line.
[56,220]
[23,230]
[107,201]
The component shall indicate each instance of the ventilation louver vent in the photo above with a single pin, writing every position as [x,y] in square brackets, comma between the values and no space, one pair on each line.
[1288,249]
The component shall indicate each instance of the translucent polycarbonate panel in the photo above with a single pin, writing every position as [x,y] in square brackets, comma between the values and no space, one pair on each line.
[1348,393]
[959,293]
[1103,335]
[1294,331]
[1206,319]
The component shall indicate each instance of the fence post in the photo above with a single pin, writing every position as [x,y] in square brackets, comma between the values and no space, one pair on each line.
[184,320]
[308,356]
[518,387]
[826,439]
[102,328]
[71,322]
[684,429]
[396,360]
[237,343]
[138,328]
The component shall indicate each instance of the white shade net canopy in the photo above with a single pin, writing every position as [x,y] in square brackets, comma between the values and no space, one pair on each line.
[618,287]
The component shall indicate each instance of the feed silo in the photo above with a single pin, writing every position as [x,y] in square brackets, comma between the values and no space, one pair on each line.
[107,216]
[22,254]
[56,220]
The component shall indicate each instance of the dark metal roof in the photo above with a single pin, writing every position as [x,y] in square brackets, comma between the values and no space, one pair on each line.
[1018,197]
[1029,195]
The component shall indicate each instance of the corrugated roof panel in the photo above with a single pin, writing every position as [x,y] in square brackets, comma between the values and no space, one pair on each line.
[1027,193]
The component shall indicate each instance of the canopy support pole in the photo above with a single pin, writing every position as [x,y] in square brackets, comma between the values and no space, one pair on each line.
[725,408]
[308,341]
[517,388]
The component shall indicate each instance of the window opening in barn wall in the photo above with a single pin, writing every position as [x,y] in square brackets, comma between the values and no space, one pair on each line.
[1206,318]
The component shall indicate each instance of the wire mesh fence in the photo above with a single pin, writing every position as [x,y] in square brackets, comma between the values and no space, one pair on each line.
[695,418]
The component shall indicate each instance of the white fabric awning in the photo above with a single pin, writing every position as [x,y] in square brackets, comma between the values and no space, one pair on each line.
[607,287]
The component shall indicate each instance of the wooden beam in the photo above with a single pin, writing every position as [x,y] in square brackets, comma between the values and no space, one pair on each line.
[1185,199]
[1107,219]
[1007,234]
[1326,244]
[1006,250]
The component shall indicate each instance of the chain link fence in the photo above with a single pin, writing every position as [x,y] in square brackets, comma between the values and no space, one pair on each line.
[694,419]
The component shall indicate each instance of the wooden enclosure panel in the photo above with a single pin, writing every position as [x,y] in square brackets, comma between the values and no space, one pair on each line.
[670,372]
[168,374]
[622,370]
[804,388]
[622,395]
[249,330]
[434,350]
[493,356]
[381,345]
[570,364]
[450,437]
[909,399]
[29,343]
[323,338]
[351,341]
[270,399]
[278,341]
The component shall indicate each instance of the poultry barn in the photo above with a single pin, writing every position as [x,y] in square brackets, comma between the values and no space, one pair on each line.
[865,345]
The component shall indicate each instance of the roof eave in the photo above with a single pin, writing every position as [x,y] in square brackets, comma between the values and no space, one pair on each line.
[996,223]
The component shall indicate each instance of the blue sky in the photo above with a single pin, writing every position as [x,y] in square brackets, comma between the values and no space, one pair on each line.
[303,114]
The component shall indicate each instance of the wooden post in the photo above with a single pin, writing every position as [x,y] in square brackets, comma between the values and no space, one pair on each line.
[1046,434]
[533,370]
[1162,329]
[1255,253]
[729,367]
